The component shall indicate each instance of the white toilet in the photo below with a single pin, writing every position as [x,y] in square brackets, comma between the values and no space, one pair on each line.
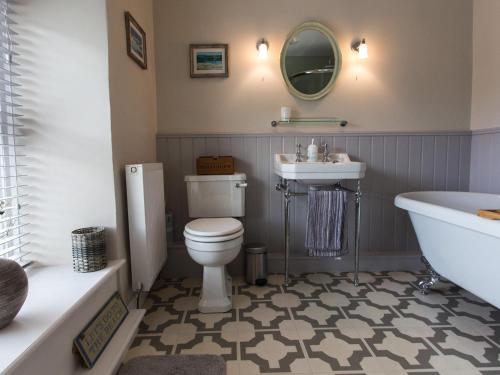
[214,239]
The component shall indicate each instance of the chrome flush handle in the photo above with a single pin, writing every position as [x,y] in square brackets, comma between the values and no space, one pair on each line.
[241,185]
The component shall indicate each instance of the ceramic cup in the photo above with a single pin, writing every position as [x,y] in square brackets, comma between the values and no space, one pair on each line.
[285,113]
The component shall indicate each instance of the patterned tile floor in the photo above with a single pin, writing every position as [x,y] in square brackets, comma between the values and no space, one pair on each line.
[322,324]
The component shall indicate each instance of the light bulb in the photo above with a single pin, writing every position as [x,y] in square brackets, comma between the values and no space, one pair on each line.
[363,50]
[263,51]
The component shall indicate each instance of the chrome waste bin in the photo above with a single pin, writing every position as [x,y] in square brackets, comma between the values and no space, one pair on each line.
[256,263]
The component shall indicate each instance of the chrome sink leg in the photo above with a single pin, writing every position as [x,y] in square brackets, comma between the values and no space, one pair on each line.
[357,222]
[284,187]
[428,282]
[287,197]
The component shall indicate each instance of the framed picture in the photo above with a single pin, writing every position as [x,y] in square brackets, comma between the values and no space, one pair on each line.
[136,41]
[208,60]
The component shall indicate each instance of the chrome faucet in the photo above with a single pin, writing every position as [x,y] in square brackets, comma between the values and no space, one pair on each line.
[325,153]
[298,154]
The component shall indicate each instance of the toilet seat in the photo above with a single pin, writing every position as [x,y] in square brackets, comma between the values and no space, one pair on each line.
[212,230]
[216,233]
[213,239]
[213,227]
[213,247]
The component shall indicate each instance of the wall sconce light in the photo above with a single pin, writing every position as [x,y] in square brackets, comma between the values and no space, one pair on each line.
[263,48]
[361,48]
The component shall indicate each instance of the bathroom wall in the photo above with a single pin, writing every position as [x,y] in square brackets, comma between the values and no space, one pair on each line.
[396,163]
[132,93]
[485,111]
[408,108]
[418,75]
[485,161]
[89,110]
[64,73]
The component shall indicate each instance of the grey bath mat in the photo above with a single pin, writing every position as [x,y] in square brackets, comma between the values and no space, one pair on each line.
[175,365]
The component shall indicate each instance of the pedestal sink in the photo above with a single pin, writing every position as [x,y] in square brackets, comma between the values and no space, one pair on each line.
[338,167]
[332,171]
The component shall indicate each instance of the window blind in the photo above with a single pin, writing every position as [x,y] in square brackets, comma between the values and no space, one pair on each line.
[13,214]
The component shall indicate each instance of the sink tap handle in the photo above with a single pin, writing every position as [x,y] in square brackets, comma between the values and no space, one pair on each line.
[325,152]
[298,153]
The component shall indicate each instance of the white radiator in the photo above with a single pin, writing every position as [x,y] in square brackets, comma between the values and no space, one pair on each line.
[146,222]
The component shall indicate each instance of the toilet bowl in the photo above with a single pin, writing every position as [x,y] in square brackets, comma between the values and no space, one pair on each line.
[213,243]
[215,237]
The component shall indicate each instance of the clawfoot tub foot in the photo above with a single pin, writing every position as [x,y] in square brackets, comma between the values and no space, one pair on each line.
[428,282]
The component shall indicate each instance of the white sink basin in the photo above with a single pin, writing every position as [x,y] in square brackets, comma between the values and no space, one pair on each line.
[338,167]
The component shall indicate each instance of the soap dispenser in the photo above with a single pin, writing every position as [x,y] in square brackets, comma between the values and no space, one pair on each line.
[312,152]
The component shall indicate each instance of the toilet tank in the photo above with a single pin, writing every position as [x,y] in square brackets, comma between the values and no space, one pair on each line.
[216,195]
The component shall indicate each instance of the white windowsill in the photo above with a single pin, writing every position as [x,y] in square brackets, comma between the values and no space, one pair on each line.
[54,293]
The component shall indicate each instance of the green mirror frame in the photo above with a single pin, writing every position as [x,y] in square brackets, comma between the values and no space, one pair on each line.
[316,26]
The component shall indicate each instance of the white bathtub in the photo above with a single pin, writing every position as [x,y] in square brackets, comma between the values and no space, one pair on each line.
[459,245]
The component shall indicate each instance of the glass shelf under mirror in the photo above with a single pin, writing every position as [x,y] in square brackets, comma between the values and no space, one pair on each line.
[311,121]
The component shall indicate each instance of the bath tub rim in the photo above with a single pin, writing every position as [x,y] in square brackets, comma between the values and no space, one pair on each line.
[410,202]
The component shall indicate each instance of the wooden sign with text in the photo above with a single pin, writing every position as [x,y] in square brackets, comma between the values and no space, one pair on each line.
[97,334]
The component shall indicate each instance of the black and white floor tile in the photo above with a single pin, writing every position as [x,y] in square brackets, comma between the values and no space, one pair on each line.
[322,324]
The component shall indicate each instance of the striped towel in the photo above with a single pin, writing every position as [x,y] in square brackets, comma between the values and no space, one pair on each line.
[326,211]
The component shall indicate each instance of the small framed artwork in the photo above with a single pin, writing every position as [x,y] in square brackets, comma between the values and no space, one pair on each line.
[136,41]
[208,60]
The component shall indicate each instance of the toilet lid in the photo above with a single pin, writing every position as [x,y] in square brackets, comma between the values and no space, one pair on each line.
[213,227]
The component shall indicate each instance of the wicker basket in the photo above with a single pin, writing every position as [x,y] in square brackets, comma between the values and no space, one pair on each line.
[89,253]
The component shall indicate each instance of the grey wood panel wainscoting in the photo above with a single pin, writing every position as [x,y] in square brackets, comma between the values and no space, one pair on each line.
[396,163]
[485,161]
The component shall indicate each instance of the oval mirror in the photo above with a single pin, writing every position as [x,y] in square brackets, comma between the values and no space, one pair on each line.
[310,61]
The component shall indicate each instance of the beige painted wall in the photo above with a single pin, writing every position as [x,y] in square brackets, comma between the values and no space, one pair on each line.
[64,67]
[89,110]
[485,111]
[133,104]
[418,75]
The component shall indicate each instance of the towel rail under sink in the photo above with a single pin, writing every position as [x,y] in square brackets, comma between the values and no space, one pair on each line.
[284,187]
